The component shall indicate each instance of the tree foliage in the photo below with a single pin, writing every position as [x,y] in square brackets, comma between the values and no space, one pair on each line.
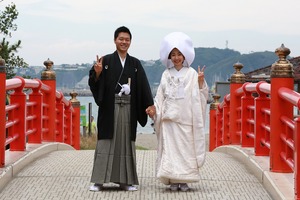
[9,51]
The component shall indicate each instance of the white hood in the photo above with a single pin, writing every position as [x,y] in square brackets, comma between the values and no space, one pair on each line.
[180,41]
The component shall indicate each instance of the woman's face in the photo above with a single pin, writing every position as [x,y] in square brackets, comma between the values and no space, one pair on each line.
[177,58]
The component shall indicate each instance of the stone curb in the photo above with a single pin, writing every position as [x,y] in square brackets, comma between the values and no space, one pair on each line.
[17,160]
[278,185]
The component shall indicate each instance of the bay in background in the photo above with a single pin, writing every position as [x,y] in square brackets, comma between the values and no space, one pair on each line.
[148,129]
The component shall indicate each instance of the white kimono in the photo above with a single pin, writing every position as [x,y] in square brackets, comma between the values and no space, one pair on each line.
[179,124]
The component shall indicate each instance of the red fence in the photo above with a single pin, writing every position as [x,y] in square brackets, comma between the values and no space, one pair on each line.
[262,116]
[36,113]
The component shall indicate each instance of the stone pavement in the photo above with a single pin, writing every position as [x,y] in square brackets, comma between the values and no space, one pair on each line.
[61,173]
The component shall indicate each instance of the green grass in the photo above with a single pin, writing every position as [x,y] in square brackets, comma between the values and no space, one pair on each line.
[89,143]
[140,148]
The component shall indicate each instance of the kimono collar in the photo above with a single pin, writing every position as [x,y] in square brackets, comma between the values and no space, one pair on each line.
[180,41]
[122,61]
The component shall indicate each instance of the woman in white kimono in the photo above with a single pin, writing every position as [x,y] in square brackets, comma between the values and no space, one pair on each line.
[180,110]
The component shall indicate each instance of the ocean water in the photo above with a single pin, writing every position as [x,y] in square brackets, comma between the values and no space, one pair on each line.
[148,129]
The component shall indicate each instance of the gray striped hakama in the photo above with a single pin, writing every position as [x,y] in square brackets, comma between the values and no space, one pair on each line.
[115,159]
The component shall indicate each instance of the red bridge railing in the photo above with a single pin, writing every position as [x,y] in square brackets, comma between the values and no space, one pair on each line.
[262,116]
[36,113]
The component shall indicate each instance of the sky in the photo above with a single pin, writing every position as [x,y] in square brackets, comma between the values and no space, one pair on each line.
[74,32]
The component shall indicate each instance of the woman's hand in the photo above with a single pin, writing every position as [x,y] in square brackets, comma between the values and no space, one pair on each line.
[151,111]
[201,76]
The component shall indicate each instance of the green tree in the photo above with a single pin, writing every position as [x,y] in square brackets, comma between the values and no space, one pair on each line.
[9,51]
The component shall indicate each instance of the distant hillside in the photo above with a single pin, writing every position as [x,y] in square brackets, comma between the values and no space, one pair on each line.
[219,63]
[219,67]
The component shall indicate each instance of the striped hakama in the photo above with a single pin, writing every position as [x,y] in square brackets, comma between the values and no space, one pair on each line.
[115,159]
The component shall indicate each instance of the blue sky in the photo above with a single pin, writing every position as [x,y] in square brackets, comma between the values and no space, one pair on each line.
[73,31]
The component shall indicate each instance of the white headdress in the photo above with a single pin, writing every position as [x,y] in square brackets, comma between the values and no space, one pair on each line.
[180,41]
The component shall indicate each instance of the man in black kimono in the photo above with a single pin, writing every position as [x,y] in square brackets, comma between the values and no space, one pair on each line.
[122,92]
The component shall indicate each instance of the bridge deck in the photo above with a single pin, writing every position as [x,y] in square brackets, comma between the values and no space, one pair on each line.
[61,173]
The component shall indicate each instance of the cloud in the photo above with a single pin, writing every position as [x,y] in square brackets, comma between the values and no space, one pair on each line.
[82,28]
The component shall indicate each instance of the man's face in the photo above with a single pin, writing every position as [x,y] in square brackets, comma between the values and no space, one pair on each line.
[123,42]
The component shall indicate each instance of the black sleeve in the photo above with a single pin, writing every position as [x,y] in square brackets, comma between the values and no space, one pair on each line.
[97,85]
[144,95]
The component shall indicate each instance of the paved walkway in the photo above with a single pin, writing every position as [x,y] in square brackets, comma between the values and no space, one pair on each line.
[61,173]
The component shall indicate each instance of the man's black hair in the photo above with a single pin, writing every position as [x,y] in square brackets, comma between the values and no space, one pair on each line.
[122,29]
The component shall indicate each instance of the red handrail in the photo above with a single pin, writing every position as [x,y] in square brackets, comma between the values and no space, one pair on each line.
[30,115]
[258,111]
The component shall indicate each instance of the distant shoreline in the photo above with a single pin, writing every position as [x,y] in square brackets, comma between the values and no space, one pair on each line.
[80,92]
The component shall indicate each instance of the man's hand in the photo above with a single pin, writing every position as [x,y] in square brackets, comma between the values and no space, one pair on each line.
[151,111]
[98,66]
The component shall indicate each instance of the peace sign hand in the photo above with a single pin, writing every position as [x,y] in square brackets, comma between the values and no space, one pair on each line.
[201,76]
[98,66]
